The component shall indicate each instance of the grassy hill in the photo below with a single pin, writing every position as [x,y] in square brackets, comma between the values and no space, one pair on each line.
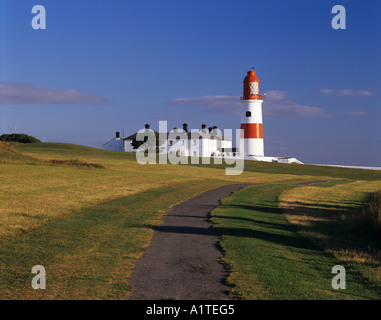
[87,215]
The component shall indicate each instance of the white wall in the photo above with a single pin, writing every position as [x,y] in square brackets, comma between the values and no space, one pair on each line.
[204,147]
[128,146]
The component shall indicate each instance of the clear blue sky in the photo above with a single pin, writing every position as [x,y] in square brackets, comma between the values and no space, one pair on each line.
[102,66]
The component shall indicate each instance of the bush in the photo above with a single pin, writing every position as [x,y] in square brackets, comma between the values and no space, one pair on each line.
[18,137]
[372,209]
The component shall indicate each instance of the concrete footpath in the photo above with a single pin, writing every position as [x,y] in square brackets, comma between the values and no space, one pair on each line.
[182,261]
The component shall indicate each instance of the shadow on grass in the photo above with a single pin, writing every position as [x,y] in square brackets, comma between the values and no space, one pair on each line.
[254,224]
[298,251]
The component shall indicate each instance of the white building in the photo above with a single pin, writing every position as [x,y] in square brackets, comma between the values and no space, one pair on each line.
[203,143]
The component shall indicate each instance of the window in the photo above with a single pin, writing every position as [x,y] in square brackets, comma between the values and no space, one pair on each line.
[248,114]
[254,88]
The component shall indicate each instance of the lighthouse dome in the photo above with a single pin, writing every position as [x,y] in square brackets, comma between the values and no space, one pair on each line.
[251,76]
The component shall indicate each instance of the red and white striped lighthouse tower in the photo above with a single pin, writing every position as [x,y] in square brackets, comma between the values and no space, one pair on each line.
[251,117]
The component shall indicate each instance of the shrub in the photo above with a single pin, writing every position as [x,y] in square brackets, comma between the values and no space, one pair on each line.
[18,137]
[372,209]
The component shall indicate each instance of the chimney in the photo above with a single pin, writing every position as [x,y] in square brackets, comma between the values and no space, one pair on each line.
[215,132]
[203,128]
[185,127]
[117,135]
[210,129]
[147,126]
[175,129]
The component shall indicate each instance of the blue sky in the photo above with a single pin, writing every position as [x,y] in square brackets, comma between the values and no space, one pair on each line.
[102,66]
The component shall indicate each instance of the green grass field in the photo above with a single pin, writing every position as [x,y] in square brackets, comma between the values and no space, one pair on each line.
[87,215]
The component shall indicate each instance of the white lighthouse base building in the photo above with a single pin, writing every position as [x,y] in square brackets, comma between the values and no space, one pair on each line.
[287,160]
[204,143]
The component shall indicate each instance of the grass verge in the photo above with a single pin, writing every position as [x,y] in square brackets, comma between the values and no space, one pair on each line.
[90,254]
[269,259]
[334,219]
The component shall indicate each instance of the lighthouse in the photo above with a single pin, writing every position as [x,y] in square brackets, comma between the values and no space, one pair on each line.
[251,117]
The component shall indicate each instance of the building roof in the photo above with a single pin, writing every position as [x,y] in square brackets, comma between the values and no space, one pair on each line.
[190,135]
[130,137]
[107,142]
